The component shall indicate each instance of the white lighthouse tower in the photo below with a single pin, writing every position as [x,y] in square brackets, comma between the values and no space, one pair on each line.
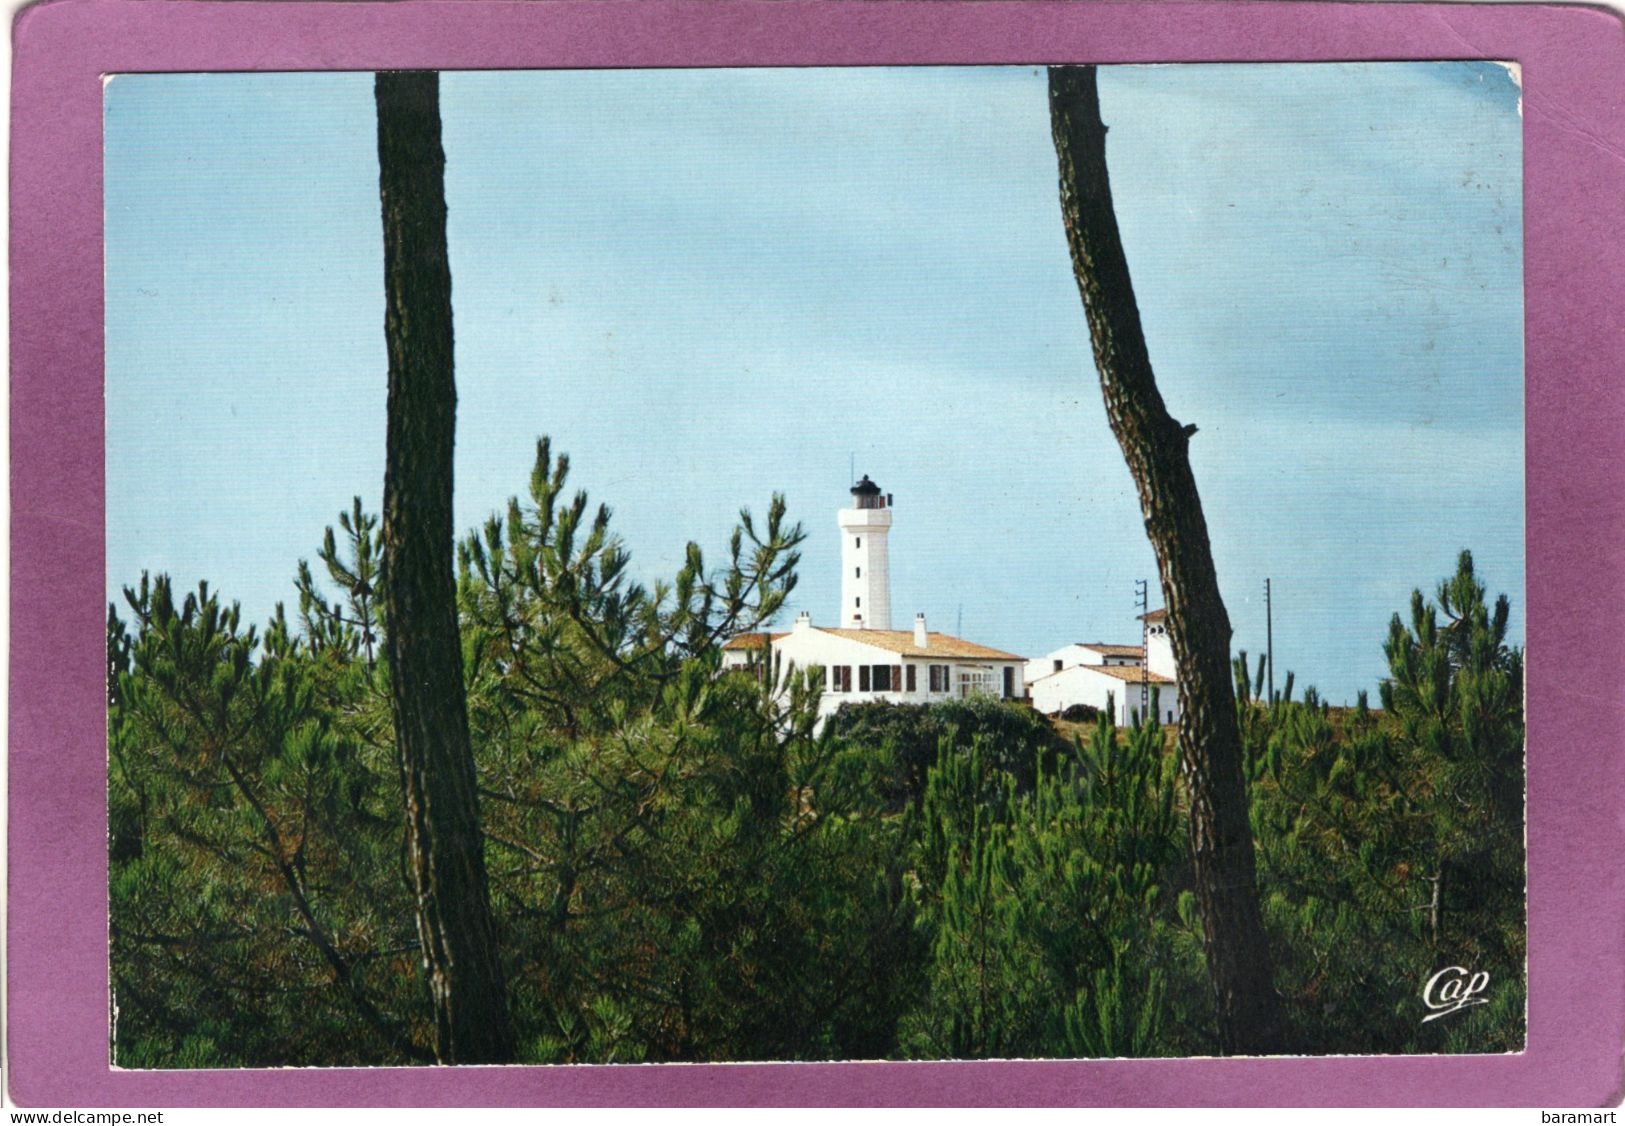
[865,574]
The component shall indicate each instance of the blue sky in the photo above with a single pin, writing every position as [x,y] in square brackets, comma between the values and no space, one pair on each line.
[708,286]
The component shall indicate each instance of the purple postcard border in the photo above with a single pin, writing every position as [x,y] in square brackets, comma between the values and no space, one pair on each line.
[1574,143]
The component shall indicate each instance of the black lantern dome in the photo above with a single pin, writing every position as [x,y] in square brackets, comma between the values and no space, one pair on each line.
[868,494]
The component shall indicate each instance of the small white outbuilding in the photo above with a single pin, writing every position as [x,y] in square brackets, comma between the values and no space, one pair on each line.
[1102,687]
[1125,679]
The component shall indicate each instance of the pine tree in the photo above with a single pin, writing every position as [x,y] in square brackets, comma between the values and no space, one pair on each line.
[1455,690]
[1156,448]
[1391,842]
[255,918]
[444,842]
[1054,909]
[685,871]
[681,870]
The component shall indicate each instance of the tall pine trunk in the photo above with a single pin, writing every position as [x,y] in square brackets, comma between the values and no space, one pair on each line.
[426,667]
[1156,447]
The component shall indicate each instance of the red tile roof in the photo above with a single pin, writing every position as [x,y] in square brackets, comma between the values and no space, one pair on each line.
[901,641]
[1113,650]
[937,644]
[750,640]
[1128,673]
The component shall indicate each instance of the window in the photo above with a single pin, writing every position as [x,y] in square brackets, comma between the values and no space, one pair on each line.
[939,678]
[1170,717]
[913,684]
[976,682]
[859,541]
[1009,681]
[857,572]
[1057,664]
[857,600]
[863,678]
[880,677]
[841,678]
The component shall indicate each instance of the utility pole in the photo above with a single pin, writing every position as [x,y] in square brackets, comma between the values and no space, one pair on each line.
[1141,587]
[1269,642]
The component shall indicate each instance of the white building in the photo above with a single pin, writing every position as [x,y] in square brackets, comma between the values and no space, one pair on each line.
[1115,677]
[1085,653]
[862,658]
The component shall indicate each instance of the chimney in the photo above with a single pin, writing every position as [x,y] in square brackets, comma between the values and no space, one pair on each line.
[803,622]
[921,638]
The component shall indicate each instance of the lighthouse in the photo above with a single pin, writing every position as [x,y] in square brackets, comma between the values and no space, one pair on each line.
[859,657]
[865,573]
